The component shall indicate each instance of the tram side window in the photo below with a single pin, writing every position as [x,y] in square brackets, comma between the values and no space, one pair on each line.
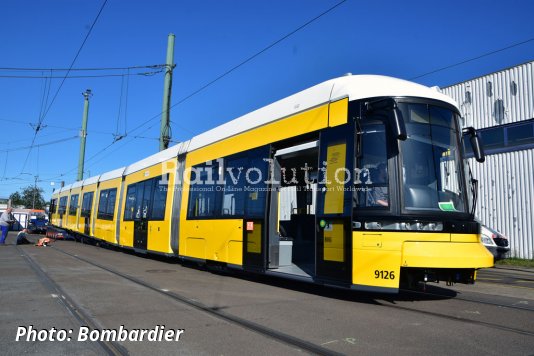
[87,203]
[130,202]
[159,200]
[146,200]
[106,204]
[244,193]
[204,193]
[256,188]
[73,206]
[233,202]
[62,205]
[371,179]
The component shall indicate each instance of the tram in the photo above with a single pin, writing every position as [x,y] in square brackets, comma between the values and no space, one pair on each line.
[358,182]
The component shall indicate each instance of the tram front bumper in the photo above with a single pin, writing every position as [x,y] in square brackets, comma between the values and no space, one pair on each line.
[427,254]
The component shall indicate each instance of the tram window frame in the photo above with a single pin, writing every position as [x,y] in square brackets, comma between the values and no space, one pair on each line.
[206,196]
[234,190]
[73,204]
[87,204]
[129,205]
[376,208]
[157,203]
[106,211]
[62,207]
[254,198]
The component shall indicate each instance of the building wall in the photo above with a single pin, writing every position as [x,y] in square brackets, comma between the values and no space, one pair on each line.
[511,98]
[506,179]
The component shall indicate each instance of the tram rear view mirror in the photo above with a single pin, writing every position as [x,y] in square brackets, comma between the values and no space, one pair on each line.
[399,129]
[478,151]
[386,107]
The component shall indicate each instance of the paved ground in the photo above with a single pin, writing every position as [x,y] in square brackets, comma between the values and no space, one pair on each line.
[48,288]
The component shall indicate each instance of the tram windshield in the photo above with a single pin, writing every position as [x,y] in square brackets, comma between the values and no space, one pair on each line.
[431,177]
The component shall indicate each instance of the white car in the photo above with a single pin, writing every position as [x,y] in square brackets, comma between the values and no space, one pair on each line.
[495,242]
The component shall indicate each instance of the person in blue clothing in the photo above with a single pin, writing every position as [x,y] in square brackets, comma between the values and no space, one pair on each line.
[21,238]
[5,221]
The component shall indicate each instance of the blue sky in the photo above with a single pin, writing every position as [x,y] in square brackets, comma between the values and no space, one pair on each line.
[403,39]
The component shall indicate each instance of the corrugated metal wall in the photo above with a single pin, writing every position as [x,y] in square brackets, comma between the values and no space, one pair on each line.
[506,180]
[509,98]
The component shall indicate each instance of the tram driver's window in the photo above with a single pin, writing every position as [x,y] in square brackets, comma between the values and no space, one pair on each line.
[371,175]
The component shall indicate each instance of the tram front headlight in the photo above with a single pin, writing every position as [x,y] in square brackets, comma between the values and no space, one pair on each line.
[403,225]
[435,226]
[420,226]
[373,225]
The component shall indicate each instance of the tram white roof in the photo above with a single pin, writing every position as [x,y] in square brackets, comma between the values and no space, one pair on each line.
[76,184]
[353,86]
[372,86]
[156,158]
[65,188]
[91,180]
[116,173]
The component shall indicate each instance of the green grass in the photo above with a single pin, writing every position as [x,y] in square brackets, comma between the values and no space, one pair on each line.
[519,262]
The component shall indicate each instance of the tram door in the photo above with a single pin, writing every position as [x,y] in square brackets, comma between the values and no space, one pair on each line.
[334,204]
[254,195]
[143,200]
[87,203]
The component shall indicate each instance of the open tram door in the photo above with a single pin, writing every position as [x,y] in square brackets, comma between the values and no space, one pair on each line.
[254,166]
[292,209]
[334,204]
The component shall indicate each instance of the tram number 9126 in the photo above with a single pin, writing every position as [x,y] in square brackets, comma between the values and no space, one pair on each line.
[384,274]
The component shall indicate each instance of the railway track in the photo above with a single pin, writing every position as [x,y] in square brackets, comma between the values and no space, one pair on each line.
[274,334]
[77,311]
[114,348]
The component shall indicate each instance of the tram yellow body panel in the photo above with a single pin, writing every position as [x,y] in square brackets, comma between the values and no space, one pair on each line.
[446,255]
[159,234]
[299,124]
[216,240]
[379,256]
[106,229]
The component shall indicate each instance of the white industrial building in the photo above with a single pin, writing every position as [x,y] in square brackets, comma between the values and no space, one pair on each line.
[501,107]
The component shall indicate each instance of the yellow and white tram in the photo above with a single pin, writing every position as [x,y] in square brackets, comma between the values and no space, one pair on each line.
[357,182]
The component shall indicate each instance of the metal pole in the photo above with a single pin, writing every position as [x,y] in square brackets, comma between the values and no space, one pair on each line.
[34,191]
[165,131]
[83,133]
